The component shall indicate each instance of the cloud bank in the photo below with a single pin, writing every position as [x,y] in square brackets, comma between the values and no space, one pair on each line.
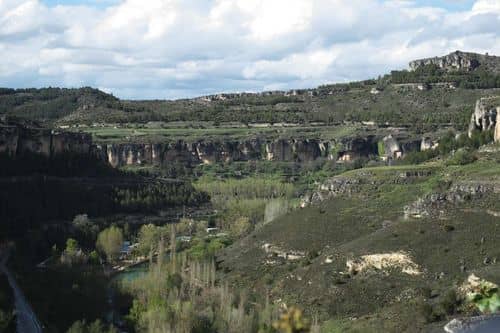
[183,48]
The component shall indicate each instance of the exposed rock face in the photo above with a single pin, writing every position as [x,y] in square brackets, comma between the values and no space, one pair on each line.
[392,148]
[18,140]
[460,61]
[384,261]
[485,113]
[497,128]
[432,204]
[427,143]
[331,188]
[209,152]
[353,148]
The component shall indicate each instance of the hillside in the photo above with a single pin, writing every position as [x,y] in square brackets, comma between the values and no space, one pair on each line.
[366,205]
[308,257]
[429,95]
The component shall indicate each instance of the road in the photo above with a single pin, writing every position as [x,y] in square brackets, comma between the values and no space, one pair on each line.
[27,321]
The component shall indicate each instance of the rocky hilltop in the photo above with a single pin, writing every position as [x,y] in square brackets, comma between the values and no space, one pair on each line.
[461,61]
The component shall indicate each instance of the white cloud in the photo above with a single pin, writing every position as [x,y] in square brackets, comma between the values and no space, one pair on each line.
[178,48]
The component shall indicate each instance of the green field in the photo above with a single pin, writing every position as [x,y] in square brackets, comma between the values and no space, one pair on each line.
[185,131]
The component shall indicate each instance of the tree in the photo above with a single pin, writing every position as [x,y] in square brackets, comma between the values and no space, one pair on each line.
[110,242]
[71,247]
[149,238]
[97,326]
[85,229]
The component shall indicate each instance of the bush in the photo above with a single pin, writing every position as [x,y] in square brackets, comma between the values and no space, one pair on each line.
[462,156]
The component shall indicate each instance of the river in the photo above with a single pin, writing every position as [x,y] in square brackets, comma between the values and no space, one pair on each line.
[130,274]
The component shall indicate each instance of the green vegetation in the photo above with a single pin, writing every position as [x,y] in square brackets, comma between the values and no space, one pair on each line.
[97,326]
[461,147]
[202,249]
[327,105]
[486,297]
[370,221]
[479,79]
[149,237]
[109,242]
[247,202]
[248,247]
[193,301]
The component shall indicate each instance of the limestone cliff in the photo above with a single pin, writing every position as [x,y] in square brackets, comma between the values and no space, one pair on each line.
[485,116]
[17,139]
[458,60]
[209,152]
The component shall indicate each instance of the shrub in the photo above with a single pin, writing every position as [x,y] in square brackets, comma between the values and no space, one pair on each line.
[462,156]
[292,321]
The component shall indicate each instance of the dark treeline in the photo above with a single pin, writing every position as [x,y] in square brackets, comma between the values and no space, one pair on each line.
[51,103]
[35,188]
[66,164]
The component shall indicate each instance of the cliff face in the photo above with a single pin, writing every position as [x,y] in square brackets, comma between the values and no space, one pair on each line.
[485,116]
[209,152]
[17,140]
[460,61]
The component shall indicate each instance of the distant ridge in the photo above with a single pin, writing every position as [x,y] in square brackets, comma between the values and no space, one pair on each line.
[461,61]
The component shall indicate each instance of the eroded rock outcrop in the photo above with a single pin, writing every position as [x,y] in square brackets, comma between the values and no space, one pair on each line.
[216,151]
[458,60]
[384,262]
[485,115]
[209,152]
[432,204]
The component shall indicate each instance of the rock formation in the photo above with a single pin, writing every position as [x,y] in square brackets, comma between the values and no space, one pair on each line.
[497,128]
[392,149]
[485,114]
[458,60]
[209,152]
[17,139]
[427,143]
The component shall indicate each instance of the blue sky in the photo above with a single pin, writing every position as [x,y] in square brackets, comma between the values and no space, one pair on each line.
[183,48]
[453,5]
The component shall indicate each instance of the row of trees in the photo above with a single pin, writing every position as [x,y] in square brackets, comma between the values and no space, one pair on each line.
[186,298]
[479,79]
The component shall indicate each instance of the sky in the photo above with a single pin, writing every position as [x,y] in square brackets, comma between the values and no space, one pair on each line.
[157,49]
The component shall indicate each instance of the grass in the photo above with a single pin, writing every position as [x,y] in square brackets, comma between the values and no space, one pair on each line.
[189,132]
